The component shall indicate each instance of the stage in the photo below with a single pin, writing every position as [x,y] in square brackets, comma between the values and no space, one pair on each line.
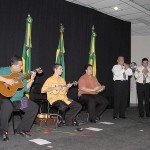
[132,133]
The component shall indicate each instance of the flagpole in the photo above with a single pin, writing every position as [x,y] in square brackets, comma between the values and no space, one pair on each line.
[93,28]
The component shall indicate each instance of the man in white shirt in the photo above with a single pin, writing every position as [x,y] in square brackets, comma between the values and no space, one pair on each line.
[121,71]
[142,75]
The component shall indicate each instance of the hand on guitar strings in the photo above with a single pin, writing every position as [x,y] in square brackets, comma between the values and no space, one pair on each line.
[9,81]
[59,87]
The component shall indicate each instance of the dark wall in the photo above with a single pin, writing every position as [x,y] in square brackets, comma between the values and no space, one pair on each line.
[113,37]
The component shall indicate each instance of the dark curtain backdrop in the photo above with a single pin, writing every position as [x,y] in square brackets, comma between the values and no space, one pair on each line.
[113,37]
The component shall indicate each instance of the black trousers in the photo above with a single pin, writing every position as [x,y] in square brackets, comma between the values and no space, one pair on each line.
[143,94]
[6,109]
[96,104]
[121,92]
[70,110]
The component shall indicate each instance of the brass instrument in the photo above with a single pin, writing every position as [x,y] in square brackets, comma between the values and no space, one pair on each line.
[133,66]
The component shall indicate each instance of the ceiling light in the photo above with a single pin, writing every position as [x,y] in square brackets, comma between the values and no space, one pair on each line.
[116,8]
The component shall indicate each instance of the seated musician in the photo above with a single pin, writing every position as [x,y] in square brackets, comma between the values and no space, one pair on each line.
[89,87]
[17,101]
[56,89]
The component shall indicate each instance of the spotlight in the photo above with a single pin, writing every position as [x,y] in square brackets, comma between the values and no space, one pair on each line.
[116,8]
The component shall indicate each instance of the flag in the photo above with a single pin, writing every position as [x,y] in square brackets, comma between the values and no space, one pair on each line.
[26,55]
[92,55]
[60,51]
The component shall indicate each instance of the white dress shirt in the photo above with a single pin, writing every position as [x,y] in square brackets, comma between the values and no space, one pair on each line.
[118,72]
[139,75]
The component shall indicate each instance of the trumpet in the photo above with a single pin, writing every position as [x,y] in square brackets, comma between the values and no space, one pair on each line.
[132,66]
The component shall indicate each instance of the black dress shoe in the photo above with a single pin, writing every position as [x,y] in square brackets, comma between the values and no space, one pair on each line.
[97,118]
[122,117]
[141,116]
[114,117]
[75,123]
[93,121]
[61,123]
[22,133]
[147,115]
[5,137]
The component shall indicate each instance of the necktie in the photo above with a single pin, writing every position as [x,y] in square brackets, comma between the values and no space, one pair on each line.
[124,76]
[144,78]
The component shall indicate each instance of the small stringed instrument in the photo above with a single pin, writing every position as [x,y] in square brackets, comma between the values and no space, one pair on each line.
[74,83]
[101,88]
[9,90]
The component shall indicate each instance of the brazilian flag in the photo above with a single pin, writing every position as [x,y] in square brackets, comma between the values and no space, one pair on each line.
[26,55]
[60,51]
[92,55]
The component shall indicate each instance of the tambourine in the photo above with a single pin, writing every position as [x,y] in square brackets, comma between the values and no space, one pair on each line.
[101,88]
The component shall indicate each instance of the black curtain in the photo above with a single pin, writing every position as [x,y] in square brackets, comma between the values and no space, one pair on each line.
[113,37]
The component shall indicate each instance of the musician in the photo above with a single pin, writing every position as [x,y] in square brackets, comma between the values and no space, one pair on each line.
[56,89]
[121,72]
[88,86]
[142,75]
[17,101]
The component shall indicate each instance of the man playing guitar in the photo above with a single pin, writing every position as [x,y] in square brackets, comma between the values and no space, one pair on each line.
[56,89]
[9,104]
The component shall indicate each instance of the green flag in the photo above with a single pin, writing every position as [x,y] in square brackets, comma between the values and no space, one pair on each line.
[26,55]
[92,55]
[60,51]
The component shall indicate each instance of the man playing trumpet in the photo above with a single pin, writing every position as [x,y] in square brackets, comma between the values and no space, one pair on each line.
[89,87]
[121,71]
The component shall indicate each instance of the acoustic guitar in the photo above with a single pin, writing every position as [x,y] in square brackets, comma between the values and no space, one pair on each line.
[9,90]
[63,90]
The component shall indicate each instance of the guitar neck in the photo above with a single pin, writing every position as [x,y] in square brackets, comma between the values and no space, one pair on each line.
[25,76]
[70,83]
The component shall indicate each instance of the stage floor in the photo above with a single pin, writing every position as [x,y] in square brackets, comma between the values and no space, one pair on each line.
[132,133]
